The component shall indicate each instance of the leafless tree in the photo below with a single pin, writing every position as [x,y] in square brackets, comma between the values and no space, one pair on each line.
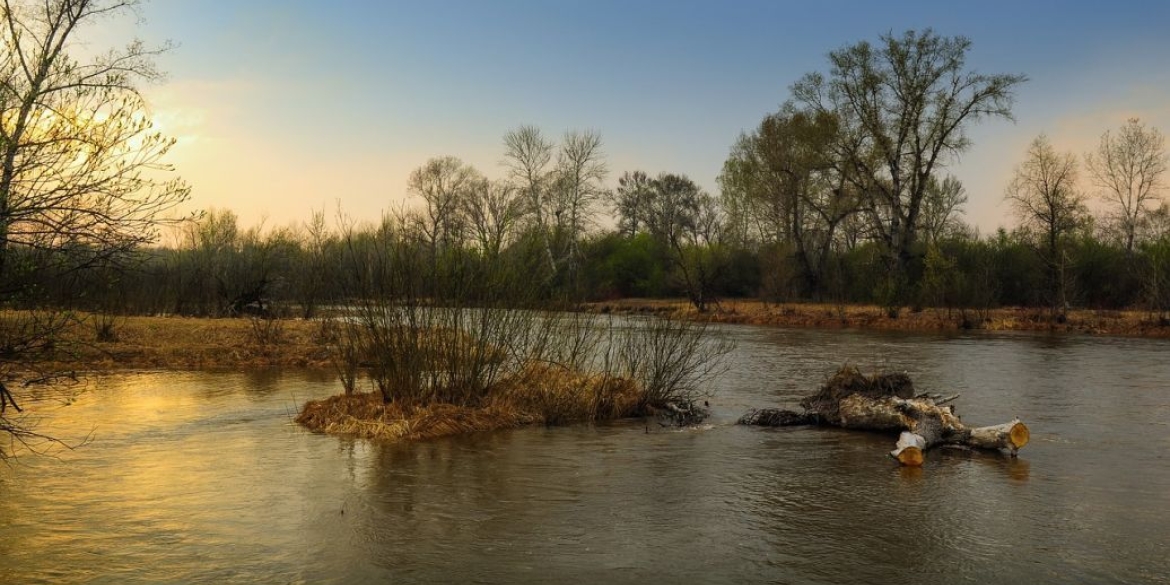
[528,158]
[79,159]
[941,208]
[1129,168]
[312,280]
[1156,225]
[444,184]
[1047,200]
[80,165]
[559,195]
[580,172]
[492,210]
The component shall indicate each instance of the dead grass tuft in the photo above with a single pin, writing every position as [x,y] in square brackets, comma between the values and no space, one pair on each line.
[540,394]
[366,416]
[558,395]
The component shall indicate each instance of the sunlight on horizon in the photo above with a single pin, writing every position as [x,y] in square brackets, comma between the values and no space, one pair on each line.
[248,107]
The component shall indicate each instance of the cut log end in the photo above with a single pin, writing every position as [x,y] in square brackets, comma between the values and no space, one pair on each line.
[909,456]
[1019,435]
[910,450]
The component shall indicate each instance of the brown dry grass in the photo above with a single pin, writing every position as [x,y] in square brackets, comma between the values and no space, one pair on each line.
[557,395]
[182,343]
[831,316]
[540,394]
[366,416]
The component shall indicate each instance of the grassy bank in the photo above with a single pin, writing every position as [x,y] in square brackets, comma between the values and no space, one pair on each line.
[188,343]
[831,316]
[518,368]
[88,343]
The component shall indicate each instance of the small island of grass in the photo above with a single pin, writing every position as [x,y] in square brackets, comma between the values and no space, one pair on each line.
[438,371]
[540,394]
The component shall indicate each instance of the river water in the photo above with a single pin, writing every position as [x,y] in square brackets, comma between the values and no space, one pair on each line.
[203,477]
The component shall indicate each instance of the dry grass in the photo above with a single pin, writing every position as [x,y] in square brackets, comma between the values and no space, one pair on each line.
[832,316]
[540,394]
[557,395]
[181,343]
[366,416]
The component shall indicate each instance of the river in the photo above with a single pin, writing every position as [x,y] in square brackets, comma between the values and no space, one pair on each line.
[203,477]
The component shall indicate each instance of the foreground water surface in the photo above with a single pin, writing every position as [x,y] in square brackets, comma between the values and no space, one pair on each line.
[203,477]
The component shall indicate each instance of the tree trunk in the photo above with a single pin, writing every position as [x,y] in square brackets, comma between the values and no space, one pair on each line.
[888,403]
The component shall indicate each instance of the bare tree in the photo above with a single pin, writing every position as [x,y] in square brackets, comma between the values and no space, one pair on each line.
[560,196]
[1129,167]
[580,172]
[445,184]
[1045,196]
[78,157]
[212,244]
[903,106]
[80,165]
[1156,225]
[313,278]
[492,210]
[941,208]
[528,158]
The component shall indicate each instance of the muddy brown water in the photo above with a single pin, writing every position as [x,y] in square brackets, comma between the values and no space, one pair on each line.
[202,477]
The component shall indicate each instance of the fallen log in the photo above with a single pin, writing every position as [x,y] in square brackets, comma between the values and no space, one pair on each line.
[888,403]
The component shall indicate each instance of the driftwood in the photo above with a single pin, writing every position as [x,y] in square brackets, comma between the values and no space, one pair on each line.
[888,403]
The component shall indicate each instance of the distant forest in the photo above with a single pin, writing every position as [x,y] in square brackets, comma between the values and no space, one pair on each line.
[842,195]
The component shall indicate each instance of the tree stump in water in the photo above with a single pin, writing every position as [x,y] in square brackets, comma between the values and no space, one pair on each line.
[888,403]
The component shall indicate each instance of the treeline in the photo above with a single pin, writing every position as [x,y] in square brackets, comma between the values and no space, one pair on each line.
[841,195]
[219,269]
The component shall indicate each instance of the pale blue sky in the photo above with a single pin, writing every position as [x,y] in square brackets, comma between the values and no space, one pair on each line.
[282,107]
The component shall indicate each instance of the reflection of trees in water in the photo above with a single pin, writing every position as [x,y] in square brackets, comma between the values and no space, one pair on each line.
[261,382]
[425,499]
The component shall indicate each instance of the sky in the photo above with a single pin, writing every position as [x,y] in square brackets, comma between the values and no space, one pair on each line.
[283,107]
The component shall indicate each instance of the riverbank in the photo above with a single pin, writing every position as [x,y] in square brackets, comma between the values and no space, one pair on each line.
[81,343]
[192,343]
[539,391]
[831,316]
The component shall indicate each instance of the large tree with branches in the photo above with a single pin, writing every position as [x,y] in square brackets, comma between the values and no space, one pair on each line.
[82,173]
[903,105]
